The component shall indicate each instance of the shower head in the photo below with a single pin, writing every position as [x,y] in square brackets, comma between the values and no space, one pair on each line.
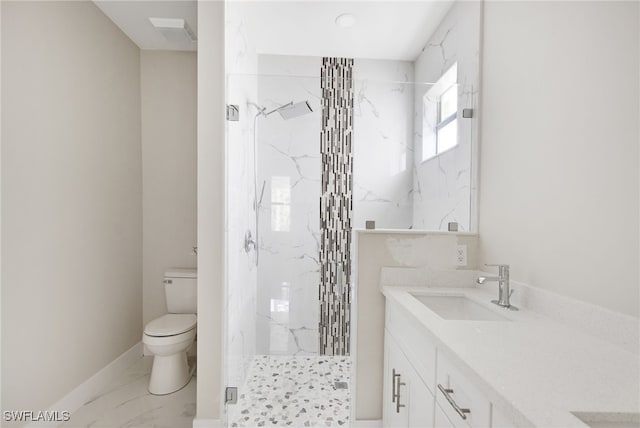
[295,110]
[291,110]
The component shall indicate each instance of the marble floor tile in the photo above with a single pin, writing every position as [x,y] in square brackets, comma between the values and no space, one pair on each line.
[294,391]
[127,403]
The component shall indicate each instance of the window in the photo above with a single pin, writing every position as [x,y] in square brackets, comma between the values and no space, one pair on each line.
[280,204]
[440,115]
[279,320]
[447,126]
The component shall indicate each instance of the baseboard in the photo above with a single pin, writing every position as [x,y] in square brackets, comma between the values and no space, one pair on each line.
[216,423]
[207,423]
[366,423]
[93,386]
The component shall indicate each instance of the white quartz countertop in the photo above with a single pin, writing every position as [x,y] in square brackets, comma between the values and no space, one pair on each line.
[539,367]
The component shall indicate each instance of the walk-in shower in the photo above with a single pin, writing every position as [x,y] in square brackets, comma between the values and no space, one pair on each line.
[275,174]
[302,186]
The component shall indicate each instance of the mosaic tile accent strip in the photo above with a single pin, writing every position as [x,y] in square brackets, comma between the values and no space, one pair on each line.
[288,391]
[336,205]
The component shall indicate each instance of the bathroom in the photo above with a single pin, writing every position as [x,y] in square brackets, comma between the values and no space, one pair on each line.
[534,185]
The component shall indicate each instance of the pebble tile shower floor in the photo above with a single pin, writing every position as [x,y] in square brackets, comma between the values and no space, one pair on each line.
[295,392]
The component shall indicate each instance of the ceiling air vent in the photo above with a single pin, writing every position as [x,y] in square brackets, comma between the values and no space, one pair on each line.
[173,29]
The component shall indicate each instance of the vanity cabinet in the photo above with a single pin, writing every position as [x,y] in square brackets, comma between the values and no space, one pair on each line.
[422,386]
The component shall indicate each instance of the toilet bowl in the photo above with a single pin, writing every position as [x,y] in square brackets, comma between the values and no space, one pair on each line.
[170,336]
[168,339]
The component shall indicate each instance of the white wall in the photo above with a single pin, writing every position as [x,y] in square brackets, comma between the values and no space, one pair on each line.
[559,147]
[168,87]
[71,198]
[211,208]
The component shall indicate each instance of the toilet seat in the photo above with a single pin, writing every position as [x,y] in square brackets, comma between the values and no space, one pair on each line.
[170,325]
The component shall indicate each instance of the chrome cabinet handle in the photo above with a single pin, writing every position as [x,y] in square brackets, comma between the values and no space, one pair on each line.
[398,405]
[393,385]
[460,411]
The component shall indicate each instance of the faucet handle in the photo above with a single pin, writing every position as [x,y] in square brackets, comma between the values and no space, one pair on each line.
[496,265]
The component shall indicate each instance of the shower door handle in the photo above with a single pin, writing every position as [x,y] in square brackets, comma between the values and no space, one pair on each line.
[259,203]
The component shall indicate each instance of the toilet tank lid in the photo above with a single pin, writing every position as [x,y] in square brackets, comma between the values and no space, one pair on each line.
[181,273]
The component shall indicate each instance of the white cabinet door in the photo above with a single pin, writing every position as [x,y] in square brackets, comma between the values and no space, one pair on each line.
[421,404]
[395,412]
[387,382]
[407,400]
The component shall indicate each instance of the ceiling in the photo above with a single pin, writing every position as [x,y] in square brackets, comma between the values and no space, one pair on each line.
[383,30]
[132,17]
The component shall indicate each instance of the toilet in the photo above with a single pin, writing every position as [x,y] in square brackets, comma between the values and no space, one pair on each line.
[169,337]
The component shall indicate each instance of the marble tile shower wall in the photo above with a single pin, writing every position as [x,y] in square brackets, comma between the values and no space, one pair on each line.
[242,272]
[289,166]
[442,184]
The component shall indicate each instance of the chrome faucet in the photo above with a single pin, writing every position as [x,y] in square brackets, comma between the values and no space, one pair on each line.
[504,293]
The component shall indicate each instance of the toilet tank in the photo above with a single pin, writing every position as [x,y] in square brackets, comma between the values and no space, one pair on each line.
[180,289]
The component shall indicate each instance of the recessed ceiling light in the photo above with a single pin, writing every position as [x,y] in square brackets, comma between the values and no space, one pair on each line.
[346,20]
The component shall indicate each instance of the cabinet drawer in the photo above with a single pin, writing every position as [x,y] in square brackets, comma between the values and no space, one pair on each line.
[454,390]
[414,342]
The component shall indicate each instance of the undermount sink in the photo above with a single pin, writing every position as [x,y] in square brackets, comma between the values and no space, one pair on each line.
[458,308]
[609,420]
